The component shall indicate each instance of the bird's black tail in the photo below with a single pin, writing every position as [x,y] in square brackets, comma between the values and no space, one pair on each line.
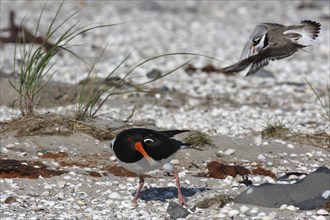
[171,133]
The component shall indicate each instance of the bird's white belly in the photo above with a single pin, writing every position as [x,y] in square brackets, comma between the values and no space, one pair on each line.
[144,165]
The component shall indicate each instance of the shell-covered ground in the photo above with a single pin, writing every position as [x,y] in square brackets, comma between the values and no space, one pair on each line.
[72,173]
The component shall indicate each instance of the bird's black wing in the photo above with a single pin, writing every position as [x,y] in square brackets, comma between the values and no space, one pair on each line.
[171,133]
[271,52]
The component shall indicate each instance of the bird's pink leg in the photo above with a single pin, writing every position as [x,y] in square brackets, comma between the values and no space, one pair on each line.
[141,182]
[182,201]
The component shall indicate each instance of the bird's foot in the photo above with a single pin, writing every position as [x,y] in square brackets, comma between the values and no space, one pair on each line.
[182,200]
[135,203]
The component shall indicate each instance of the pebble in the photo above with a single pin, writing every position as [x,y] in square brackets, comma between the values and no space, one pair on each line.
[113,158]
[221,215]
[257,179]
[290,146]
[261,157]
[47,186]
[243,208]
[309,154]
[254,210]
[292,208]
[130,179]
[175,162]
[115,195]
[284,206]
[182,174]
[233,213]
[228,180]
[10,200]
[320,217]
[273,214]
[81,202]
[61,184]
[4,150]
[176,211]
[230,152]
[326,194]
[45,193]
[322,212]
[10,145]
[293,177]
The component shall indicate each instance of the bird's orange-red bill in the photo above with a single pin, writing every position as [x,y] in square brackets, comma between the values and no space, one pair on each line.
[139,147]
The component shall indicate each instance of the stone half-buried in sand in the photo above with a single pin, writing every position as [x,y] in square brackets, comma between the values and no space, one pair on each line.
[307,193]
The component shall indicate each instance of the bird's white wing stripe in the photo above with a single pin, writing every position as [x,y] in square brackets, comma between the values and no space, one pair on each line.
[148,140]
[112,143]
[248,51]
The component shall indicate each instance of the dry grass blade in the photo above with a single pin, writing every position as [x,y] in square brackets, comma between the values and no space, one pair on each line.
[326,103]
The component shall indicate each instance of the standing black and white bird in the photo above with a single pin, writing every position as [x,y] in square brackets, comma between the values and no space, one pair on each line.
[140,150]
[270,41]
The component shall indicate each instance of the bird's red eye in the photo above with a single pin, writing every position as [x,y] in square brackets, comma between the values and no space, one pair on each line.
[129,138]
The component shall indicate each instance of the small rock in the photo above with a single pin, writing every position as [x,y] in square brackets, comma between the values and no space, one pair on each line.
[326,194]
[257,179]
[293,177]
[45,193]
[176,211]
[48,186]
[290,146]
[61,184]
[130,179]
[320,217]
[221,215]
[233,213]
[154,74]
[254,210]
[284,206]
[309,154]
[229,151]
[292,208]
[80,202]
[175,162]
[243,208]
[266,217]
[10,200]
[273,214]
[113,158]
[182,174]
[115,195]
[322,212]
[72,173]
[4,150]
[10,145]
[261,157]
[269,163]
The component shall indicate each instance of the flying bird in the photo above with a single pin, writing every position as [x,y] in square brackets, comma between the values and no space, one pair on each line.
[140,150]
[271,41]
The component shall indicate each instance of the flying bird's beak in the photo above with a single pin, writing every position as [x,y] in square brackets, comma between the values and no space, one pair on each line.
[139,147]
